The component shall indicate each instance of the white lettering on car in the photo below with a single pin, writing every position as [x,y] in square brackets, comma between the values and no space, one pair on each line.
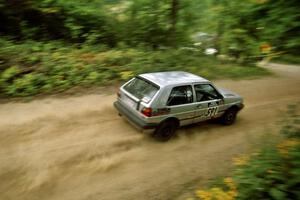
[212,111]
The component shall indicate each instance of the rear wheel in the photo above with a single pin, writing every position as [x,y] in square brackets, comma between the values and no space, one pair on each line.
[165,130]
[229,116]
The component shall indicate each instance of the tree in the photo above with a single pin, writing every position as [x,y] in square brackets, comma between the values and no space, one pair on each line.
[242,26]
[173,17]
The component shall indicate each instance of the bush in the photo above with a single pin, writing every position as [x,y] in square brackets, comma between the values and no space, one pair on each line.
[29,84]
[271,174]
[288,59]
[9,74]
[291,128]
[40,67]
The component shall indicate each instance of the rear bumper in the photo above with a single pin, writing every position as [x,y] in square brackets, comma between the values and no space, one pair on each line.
[132,118]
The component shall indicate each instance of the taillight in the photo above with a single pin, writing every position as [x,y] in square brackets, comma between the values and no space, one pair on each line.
[147,112]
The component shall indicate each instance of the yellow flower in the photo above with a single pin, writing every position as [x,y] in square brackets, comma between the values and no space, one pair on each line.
[229,182]
[232,194]
[241,160]
[204,195]
[217,193]
[285,145]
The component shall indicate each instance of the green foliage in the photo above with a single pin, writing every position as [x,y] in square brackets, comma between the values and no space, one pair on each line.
[39,67]
[281,23]
[26,85]
[238,44]
[291,128]
[271,173]
[140,22]
[238,27]
[9,74]
[242,26]
[287,59]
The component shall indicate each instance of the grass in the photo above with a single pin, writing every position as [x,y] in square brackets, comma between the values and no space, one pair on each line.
[31,67]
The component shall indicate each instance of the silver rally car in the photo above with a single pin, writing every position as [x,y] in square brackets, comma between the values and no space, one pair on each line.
[164,101]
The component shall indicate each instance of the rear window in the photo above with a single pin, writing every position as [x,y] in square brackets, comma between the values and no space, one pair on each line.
[141,89]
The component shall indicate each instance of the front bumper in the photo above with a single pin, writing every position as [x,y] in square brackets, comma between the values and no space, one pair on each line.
[132,118]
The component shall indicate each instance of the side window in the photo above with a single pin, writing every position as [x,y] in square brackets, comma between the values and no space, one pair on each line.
[180,95]
[205,92]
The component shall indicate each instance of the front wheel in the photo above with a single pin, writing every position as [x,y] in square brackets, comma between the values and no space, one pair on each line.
[229,116]
[165,130]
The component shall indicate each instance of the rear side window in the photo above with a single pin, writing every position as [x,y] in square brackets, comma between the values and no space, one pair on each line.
[180,95]
[141,89]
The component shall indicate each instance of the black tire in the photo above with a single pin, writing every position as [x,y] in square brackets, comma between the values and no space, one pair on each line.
[165,130]
[229,116]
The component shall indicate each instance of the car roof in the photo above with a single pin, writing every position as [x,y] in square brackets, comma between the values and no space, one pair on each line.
[172,78]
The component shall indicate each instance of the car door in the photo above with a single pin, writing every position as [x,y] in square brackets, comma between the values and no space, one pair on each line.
[208,101]
[181,104]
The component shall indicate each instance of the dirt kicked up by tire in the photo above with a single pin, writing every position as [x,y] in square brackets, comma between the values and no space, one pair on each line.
[165,130]
[78,148]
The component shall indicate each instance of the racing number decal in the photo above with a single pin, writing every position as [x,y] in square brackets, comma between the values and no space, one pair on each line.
[212,111]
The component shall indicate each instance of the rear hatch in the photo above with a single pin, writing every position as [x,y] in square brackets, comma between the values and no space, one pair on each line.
[137,92]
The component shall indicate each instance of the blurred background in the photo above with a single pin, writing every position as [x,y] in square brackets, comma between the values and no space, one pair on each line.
[76,147]
[52,45]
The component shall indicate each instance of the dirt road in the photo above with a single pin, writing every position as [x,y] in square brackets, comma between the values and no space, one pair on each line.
[79,148]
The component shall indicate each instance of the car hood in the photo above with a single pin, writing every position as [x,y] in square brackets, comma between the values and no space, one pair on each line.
[228,94]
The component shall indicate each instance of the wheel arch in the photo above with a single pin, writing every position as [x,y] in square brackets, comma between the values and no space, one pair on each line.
[176,120]
[234,107]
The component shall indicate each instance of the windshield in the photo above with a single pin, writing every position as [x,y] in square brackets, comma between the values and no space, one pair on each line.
[141,89]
